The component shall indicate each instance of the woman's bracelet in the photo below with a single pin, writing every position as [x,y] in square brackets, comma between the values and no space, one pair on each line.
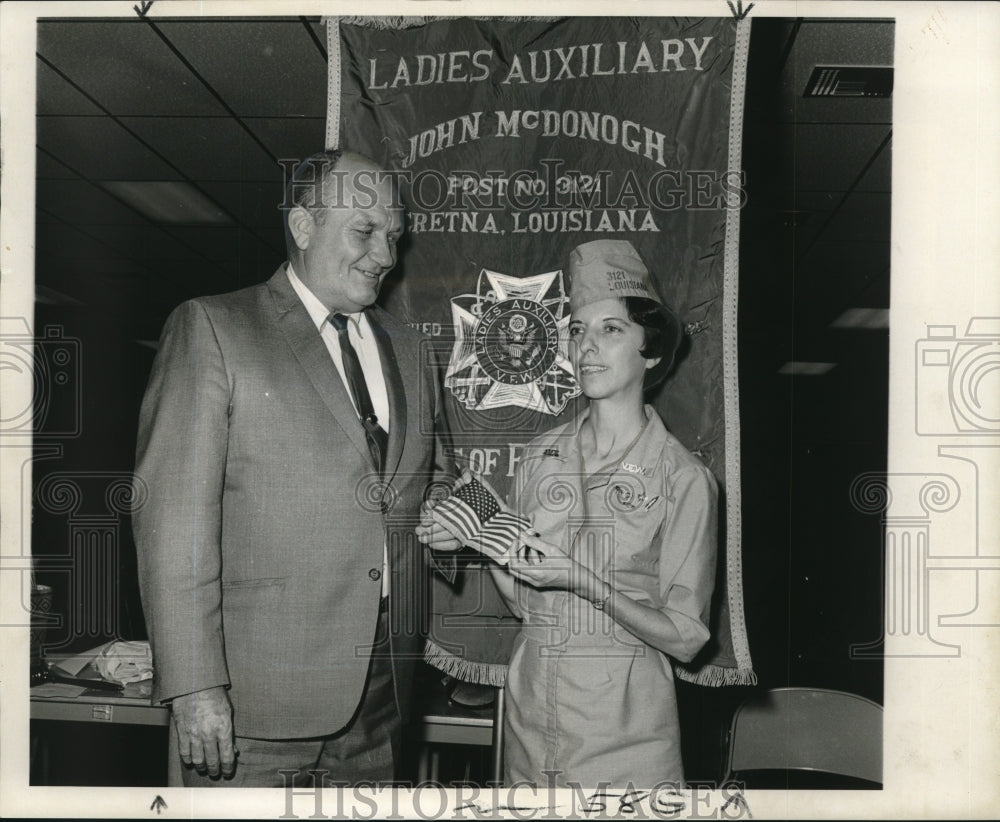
[602,603]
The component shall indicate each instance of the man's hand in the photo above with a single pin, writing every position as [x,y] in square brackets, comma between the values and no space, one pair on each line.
[204,723]
[432,533]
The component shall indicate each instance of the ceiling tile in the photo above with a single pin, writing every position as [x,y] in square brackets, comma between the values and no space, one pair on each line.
[804,213]
[75,279]
[168,202]
[253,202]
[216,244]
[147,244]
[207,259]
[261,68]
[129,292]
[135,254]
[56,96]
[864,217]
[125,66]
[69,258]
[319,29]
[842,42]
[99,148]
[273,238]
[827,217]
[74,246]
[879,174]
[213,148]
[852,43]
[876,290]
[832,272]
[799,109]
[47,168]
[227,247]
[83,203]
[254,262]
[290,138]
[828,157]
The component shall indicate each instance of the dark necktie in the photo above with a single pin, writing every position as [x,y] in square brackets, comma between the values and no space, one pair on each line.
[378,439]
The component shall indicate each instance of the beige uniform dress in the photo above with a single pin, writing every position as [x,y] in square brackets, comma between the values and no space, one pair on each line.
[587,702]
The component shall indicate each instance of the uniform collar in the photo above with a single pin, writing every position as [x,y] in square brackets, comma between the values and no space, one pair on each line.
[640,460]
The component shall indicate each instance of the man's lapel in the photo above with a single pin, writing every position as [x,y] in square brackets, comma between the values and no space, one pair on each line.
[394,388]
[312,353]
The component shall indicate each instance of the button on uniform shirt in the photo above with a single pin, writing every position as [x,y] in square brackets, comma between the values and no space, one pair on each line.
[359,332]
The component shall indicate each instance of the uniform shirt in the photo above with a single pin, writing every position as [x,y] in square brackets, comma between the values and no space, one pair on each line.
[359,332]
[645,523]
[588,701]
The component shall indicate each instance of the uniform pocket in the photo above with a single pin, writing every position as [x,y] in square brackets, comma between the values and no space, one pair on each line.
[585,667]
[619,660]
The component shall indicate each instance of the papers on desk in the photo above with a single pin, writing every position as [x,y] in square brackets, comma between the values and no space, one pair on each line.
[127,665]
[57,690]
[116,661]
[67,690]
[125,662]
[71,666]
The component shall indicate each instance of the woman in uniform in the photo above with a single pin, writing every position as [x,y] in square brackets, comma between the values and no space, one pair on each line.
[613,579]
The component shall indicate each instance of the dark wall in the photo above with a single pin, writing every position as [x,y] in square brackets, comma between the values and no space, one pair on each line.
[812,563]
[81,534]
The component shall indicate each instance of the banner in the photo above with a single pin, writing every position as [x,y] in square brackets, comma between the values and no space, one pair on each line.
[515,141]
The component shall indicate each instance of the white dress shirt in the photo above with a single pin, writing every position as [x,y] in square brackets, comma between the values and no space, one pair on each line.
[359,332]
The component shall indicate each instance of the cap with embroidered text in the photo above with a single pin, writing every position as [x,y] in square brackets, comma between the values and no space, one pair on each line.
[603,269]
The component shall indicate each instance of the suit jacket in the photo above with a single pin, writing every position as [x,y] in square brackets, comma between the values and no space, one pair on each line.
[260,522]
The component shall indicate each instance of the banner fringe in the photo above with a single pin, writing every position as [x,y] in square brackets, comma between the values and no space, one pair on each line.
[385,23]
[478,673]
[717,676]
[730,366]
[389,23]
[332,82]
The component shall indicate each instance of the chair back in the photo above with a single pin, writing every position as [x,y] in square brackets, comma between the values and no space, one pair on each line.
[807,729]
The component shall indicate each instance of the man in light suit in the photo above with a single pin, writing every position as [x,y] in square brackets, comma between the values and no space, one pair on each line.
[282,585]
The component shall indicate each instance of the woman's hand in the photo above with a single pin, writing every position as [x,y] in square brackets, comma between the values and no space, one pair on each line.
[544,565]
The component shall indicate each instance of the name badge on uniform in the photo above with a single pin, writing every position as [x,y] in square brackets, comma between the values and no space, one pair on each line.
[632,468]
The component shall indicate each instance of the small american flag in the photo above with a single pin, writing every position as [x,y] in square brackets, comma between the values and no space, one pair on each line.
[474,516]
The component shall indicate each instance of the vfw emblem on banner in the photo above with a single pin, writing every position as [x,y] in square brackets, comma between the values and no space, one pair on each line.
[510,344]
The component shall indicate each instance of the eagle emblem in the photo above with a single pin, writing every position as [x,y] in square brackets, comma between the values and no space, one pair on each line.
[510,344]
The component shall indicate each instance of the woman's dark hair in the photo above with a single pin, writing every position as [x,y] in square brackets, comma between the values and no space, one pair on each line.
[663,335]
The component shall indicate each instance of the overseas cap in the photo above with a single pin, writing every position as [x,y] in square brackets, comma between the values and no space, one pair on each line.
[604,269]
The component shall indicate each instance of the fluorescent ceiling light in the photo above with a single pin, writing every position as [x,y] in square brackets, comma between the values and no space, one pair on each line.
[805,369]
[166,201]
[866,318]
